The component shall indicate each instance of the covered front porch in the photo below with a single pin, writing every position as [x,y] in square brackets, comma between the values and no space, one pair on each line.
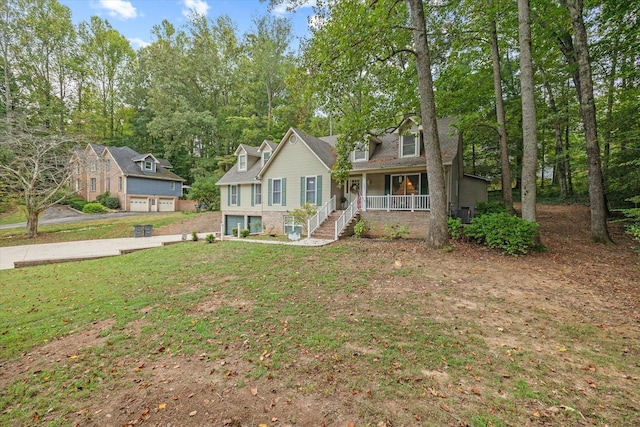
[401,191]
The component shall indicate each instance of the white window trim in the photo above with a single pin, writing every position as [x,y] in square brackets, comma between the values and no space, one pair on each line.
[257,193]
[273,192]
[416,145]
[93,185]
[405,175]
[148,163]
[172,185]
[264,161]
[289,221]
[241,158]
[233,197]
[360,148]
[93,167]
[307,191]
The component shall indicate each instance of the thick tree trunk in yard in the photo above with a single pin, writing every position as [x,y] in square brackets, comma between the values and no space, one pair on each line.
[32,223]
[599,230]
[507,194]
[529,123]
[438,232]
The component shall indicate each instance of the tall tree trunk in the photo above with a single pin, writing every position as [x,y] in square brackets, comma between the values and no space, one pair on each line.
[609,113]
[560,160]
[599,230]
[529,123]
[438,232]
[567,145]
[507,194]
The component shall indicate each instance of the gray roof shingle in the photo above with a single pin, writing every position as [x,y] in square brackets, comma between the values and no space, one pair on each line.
[124,158]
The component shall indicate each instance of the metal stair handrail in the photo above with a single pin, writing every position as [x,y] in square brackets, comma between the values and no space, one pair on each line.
[321,215]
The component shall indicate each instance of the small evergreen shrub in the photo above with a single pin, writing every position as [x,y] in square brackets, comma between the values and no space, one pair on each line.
[393,230]
[234,231]
[486,208]
[245,232]
[93,208]
[194,236]
[210,238]
[361,228]
[75,202]
[508,233]
[108,201]
[456,232]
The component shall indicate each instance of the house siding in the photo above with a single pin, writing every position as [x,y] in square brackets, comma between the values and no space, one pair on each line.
[154,187]
[294,161]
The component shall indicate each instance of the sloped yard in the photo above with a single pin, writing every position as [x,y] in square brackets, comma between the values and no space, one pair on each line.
[361,332]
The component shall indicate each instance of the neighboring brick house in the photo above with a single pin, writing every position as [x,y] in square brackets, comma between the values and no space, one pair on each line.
[387,184]
[142,182]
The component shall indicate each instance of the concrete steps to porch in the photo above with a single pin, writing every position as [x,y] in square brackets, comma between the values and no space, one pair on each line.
[327,229]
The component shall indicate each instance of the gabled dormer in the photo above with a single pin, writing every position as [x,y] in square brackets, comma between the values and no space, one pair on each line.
[363,150]
[146,162]
[265,150]
[247,157]
[409,138]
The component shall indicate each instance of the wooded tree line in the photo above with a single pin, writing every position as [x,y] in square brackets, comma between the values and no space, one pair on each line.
[196,92]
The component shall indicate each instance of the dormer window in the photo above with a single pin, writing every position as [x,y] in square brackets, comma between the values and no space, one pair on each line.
[361,152]
[148,165]
[242,162]
[409,145]
[265,157]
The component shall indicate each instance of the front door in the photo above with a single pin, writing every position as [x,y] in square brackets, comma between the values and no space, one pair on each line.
[354,188]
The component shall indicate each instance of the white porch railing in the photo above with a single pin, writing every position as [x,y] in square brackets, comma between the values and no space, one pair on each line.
[323,213]
[397,203]
[346,216]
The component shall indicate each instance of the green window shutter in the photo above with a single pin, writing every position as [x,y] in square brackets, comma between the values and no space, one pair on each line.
[319,190]
[270,192]
[253,191]
[238,195]
[424,184]
[228,195]
[387,184]
[284,191]
[303,190]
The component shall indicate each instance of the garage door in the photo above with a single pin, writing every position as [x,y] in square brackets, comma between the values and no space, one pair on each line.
[231,222]
[139,204]
[166,205]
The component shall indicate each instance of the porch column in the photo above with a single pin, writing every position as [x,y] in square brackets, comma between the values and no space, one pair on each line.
[363,204]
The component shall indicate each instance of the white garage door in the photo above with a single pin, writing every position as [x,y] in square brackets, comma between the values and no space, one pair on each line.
[166,205]
[139,204]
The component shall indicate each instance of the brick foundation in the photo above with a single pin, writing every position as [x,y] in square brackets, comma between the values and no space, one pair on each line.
[418,222]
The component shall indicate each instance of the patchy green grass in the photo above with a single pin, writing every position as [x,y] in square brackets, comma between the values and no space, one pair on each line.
[90,229]
[340,324]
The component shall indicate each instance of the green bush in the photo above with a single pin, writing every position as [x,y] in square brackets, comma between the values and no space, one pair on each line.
[194,236]
[210,238]
[75,202]
[234,231]
[245,232]
[93,208]
[456,231]
[361,228]
[393,230]
[508,233]
[485,208]
[108,201]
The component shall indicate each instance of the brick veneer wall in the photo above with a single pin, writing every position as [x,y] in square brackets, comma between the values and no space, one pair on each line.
[418,222]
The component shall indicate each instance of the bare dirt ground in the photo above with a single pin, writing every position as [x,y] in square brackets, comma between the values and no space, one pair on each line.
[511,299]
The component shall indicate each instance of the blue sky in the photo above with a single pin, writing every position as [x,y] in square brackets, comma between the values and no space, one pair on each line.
[135,18]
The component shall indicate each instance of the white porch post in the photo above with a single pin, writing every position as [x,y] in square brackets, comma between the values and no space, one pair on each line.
[363,199]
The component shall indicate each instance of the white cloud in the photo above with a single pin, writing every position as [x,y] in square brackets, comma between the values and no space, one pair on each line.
[138,43]
[281,10]
[119,8]
[199,7]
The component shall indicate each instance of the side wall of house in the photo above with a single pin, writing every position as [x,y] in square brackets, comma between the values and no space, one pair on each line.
[156,187]
[472,190]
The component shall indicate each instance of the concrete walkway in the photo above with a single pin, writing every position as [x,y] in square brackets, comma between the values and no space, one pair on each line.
[47,253]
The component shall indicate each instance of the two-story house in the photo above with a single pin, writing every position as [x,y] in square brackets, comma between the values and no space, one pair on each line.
[142,182]
[387,184]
